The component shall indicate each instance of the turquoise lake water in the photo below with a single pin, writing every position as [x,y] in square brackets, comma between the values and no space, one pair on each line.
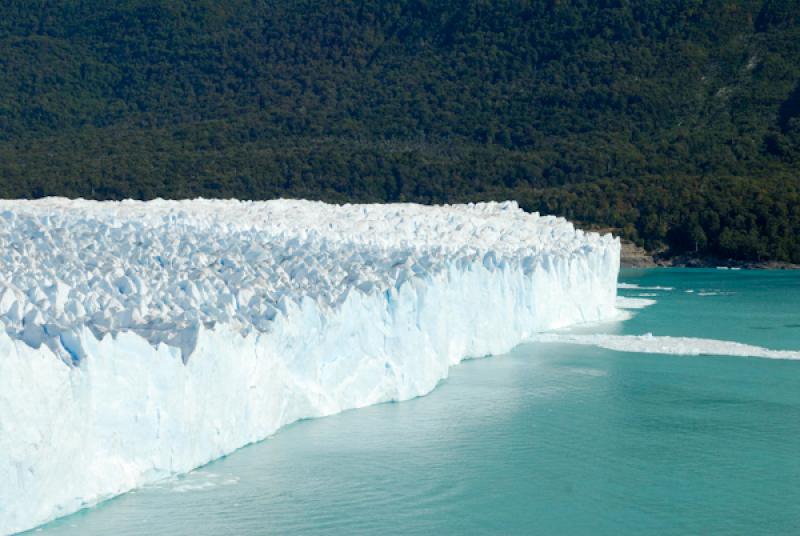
[548,439]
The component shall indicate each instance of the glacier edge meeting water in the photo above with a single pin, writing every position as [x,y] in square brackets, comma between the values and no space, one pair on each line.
[549,438]
[130,411]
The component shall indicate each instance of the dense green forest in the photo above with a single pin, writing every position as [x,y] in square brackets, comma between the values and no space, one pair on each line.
[677,122]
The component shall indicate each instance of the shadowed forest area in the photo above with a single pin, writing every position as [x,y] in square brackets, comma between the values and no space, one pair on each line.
[677,123]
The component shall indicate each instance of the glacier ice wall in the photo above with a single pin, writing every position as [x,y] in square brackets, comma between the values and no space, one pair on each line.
[146,339]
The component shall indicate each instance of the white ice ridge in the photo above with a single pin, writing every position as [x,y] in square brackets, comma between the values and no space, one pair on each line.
[141,340]
[650,344]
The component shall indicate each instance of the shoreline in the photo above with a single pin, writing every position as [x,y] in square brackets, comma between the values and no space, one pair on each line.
[632,256]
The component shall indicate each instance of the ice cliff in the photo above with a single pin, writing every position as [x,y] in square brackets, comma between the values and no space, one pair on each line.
[144,339]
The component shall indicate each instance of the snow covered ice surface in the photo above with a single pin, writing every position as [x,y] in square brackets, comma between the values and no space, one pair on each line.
[142,340]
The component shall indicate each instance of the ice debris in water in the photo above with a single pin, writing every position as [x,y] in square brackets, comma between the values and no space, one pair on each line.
[652,344]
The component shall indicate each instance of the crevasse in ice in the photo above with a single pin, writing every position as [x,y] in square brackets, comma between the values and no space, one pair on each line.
[142,339]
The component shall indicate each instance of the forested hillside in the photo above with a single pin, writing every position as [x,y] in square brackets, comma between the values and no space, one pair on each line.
[676,122]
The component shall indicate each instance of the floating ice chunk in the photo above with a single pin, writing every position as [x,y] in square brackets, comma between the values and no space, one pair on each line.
[624,302]
[634,286]
[715,293]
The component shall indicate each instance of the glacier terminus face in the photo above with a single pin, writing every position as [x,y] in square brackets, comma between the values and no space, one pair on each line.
[144,339]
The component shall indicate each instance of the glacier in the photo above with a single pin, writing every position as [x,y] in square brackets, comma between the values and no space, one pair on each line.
[145,339]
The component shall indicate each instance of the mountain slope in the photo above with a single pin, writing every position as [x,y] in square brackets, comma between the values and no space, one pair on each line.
[676,122]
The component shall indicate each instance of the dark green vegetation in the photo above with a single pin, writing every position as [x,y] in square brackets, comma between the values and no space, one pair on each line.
[677,122]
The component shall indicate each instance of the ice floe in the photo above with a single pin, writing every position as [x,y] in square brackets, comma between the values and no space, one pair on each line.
[651,344]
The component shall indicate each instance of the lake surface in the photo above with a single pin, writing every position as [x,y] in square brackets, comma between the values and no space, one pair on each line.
[548,439]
